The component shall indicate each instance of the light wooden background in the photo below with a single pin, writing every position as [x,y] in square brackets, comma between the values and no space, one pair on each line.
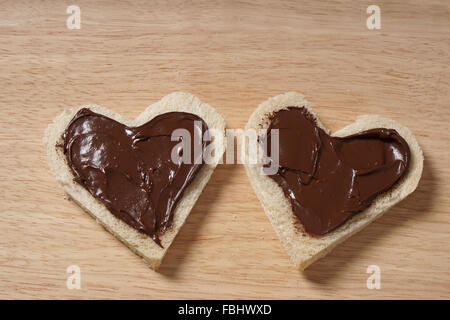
[233,55]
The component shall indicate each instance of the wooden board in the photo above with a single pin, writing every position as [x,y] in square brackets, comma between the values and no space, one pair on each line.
[233,55]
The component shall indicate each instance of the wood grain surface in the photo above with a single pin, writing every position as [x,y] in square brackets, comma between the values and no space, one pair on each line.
[232,55]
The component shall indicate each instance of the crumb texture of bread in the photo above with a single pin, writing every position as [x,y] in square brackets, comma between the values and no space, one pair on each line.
[303,248]
[139,243]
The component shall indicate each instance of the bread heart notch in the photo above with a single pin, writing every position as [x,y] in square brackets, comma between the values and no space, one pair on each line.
[314,204]
[123,174]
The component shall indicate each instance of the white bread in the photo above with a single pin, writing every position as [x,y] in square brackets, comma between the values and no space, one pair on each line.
[302,248]
[139,243]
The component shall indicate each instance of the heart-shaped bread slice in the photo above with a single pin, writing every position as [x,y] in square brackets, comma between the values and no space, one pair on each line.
[135,202]
[353,192]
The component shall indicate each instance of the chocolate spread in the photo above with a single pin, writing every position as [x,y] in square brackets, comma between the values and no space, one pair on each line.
[329,179]
[129,169]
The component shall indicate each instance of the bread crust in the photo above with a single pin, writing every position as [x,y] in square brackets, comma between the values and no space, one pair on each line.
[139,243]
[303,248]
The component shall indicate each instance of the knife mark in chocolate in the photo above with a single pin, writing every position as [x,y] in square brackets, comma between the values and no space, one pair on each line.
[129,169]
[330,179]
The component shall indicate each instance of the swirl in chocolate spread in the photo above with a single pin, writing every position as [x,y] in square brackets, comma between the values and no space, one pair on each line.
[330,179]
[129,169]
